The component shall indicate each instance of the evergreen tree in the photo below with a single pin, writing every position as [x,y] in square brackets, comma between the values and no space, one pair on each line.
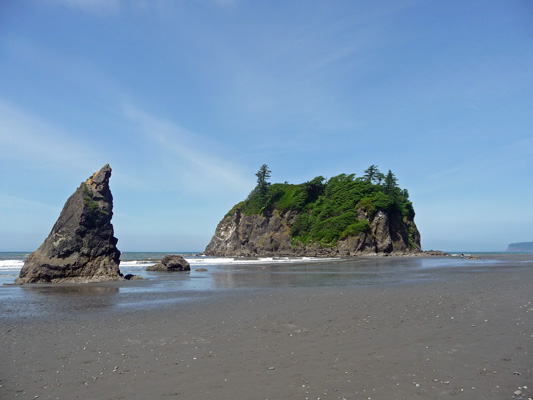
[390,183]
[372,174]
[263,175]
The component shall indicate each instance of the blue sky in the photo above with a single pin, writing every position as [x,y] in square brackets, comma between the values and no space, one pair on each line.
[185,100]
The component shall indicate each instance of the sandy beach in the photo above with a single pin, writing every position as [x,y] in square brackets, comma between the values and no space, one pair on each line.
[465,333]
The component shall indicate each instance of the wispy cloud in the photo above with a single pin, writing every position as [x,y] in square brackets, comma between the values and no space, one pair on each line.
[11,203]
[109,7]
[25,137]
[71,69]
[193,160]
[480,170]
[92,6]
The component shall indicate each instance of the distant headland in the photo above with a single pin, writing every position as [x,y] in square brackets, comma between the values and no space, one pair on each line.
[523,247]
[341,216]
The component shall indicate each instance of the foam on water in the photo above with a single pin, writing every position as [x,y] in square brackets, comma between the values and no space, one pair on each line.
[136,263]
[198,261]
[17,264]
[261,260]
[11,265]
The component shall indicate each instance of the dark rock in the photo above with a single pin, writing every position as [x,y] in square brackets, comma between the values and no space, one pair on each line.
[436,253]
[81,246]
[171,263]
[239,235]
[131,277]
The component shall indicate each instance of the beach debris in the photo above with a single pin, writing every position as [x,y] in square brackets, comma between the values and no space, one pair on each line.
[81,246]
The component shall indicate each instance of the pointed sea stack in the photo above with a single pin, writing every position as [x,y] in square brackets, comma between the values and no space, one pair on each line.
[81,246]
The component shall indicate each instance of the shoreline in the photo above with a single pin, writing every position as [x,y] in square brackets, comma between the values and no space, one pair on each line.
[466,333]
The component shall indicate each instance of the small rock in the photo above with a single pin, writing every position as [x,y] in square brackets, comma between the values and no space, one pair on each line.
[271,368]
[171,263]
[518,392]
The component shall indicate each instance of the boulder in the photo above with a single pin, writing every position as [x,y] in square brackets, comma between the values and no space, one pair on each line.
[131,277]
[171,263]
[81,246]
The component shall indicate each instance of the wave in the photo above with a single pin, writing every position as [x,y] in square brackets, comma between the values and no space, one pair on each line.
[211,261]
[260,260]
[16,265]
[136,263]
[11,265]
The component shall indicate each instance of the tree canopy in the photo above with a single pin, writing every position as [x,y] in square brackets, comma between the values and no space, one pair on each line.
[329,209]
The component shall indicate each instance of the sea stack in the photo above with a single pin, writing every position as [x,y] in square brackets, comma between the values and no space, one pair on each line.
[81,246]
[340,217]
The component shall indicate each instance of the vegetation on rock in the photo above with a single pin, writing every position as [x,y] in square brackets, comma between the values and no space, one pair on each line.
[332,209]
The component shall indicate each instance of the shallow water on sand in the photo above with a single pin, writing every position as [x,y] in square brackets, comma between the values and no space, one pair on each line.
[158,289]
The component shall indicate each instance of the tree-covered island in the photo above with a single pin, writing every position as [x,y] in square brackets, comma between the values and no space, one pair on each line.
[341,216]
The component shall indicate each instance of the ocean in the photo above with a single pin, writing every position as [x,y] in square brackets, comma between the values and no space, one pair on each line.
[332,269]
[136,262]
[216,276]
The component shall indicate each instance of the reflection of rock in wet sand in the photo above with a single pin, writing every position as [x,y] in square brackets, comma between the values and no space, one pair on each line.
[68,298]
[58,290]
[273,275]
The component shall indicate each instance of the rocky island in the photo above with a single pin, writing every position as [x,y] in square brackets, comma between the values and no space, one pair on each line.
[342,216]
[81,246]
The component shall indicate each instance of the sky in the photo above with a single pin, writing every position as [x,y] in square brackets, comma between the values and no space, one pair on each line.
[186,99]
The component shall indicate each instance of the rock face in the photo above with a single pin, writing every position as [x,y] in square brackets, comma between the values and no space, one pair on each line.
[239,235]
[81,246]
[171,264]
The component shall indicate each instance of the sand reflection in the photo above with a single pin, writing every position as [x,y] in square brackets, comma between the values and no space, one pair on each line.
[59,298]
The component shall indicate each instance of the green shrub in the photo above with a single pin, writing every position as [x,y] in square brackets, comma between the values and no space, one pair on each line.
[355,229]
[367,204]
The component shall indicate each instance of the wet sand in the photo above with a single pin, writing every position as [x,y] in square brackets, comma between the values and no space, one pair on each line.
[467,334]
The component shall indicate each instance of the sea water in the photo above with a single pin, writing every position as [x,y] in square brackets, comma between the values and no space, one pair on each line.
[229,271]
[136,262]
[214,276]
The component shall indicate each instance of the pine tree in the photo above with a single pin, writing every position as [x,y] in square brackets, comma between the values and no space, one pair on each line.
[390,182]
[263,175]
[372,174]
